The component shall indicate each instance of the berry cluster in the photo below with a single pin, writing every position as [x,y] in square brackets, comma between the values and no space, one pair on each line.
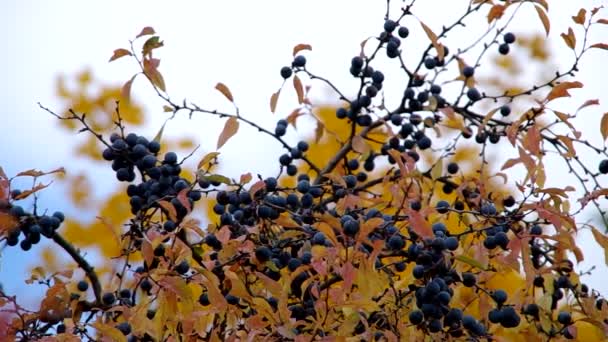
[32,227]
[160,179]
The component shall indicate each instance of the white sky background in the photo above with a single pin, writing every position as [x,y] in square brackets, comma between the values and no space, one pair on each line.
[240,43]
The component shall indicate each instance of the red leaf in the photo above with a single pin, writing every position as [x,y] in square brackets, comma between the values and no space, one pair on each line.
[146,31]
[182,197]
[301,47]
[225,91]
[151,71]
[230,129]
[419,224]
[119,53]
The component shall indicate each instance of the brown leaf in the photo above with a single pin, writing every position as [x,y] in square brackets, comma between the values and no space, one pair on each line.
[359,145]
[301,47]
[125,91]
[35,189]
[580,16]
[604,126]
[589,103]
[568,142]
[319,131]
[602,46]
[273,101]
[119,53]
[495,12]
[182,197]
[151,44]
[297,85]
[531,141]
[561,90]
[230,129]
[433,37]
[542,15]
[146,31]
[169,208]
[602,240]
[569,38]
[602,21]
[225,91]
[151,71]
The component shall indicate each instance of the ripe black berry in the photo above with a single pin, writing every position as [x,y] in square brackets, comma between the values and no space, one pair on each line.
[82,285]
[468,71]
[403,32]
[503,49]
[286,72]
[604,166]
[509,38]
[299,61]
[473,94]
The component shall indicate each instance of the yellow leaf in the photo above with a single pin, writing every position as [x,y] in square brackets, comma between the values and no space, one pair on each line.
[230,129]
[604,126]
[207,158]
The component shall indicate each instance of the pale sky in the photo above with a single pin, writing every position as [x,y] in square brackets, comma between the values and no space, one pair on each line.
[240,43]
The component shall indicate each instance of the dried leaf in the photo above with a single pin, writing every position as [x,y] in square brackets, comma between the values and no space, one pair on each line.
[225,91]
[125,91]
[568,142]
[359,145]
[119,53]
[159,135]
[496,12]
[569,38]
[301,47]
[589,103]
[602,240]
[542,15]
[561,90]
[146,31]
[273,101]
[602,46]
[169,208]
[602,21]
[433,37]
[230,129]
[604,126]
[580,16]
[297,85]
[151,44]
[151,71]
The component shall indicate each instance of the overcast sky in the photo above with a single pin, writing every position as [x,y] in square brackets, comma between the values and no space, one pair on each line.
[240,43]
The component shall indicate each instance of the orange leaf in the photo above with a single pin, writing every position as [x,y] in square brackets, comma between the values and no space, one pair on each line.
[561,90]
[531,141]
[569,38]
[419,224]
[297,85]
[433,37]
[273,101]
[580,16]
[604,126]
[119,53]
[225,91]
[495,12]
[109,331]
[230,129]
[146,31]
[543,18]
[301,47]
